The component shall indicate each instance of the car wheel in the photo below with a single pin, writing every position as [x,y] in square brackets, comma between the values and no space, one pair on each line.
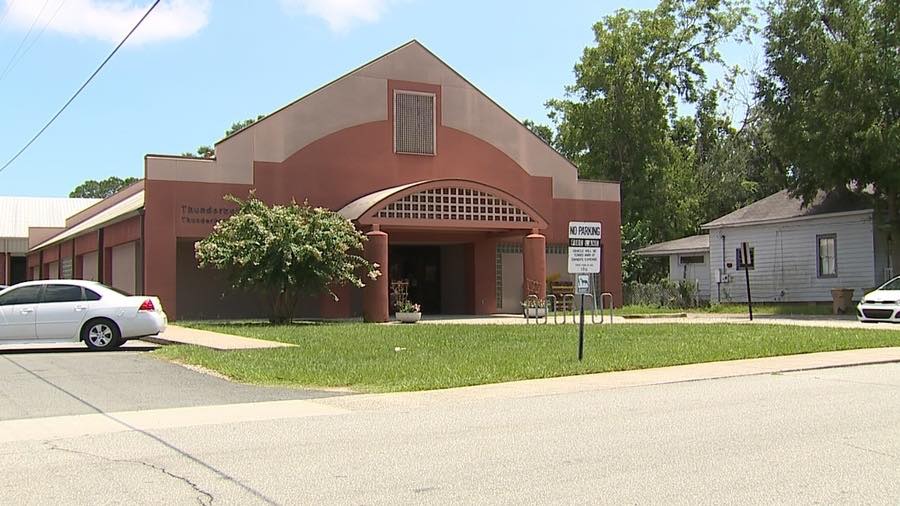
[101,335]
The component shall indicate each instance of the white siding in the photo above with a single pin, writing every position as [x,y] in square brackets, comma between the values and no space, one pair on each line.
[785,259]
[691,272]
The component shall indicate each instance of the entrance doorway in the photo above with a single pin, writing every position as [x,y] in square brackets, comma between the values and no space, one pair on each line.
[438,276]
[420,266]
[17,270]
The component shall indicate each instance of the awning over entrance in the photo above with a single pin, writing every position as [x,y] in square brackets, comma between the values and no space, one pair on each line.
[444,203]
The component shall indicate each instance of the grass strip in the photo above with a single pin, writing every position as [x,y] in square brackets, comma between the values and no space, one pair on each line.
[388,358]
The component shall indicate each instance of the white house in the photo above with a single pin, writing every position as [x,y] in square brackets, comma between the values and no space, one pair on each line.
[797,253]
[688,260]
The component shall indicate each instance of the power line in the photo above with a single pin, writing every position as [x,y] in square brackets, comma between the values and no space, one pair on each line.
[25,38]
[83,86]
[9,5]
[33,41]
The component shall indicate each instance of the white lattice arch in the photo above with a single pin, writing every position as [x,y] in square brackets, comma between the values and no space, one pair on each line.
[445,204]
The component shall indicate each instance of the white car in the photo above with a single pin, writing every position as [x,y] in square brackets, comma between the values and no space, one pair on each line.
[881,305]
[56,311]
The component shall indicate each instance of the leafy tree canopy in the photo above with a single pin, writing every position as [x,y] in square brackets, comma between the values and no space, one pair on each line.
[108,187]
[619,121]
[832,90]
[286,251]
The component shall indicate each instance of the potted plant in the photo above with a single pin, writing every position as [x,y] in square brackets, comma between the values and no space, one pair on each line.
[408,312]
[532,307]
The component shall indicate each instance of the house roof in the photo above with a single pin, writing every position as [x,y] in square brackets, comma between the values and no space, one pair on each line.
[19,213]
[692,244]
[782,207]
[118,212]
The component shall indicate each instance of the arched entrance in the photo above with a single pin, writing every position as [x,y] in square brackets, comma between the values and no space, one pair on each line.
[434,229]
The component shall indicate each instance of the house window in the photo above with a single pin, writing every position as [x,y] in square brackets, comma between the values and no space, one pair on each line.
[740,265]
[692,259]
[414,123]
[826,253]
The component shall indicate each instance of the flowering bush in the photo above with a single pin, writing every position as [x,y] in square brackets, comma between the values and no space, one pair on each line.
[408,307]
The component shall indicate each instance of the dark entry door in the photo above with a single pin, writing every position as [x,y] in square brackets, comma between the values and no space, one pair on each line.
[17,270]
[421,267]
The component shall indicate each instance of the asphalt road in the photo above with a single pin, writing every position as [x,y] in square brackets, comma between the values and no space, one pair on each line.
[71,380]
[823,436]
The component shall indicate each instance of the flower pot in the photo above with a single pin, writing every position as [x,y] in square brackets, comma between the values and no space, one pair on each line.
[535,312]
[408,317]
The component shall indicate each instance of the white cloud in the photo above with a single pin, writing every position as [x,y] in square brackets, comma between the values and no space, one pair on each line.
[340,15]
[110,20]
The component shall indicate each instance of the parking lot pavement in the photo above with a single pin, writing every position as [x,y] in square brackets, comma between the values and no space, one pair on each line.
[70,380]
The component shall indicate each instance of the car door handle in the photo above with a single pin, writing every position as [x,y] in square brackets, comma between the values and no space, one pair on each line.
[27,310]
[80,308]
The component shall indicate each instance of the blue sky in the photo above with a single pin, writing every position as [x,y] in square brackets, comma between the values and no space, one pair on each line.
[196,66]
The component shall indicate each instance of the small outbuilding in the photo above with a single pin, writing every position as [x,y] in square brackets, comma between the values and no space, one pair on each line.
[798,253]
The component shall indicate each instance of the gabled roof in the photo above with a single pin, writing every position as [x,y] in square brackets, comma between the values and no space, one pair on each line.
[782,207]
[19,213]
[692,244]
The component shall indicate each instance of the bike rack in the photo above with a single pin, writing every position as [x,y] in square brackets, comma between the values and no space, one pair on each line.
[566,297]
[549,306]
[536,316]
[593,308]
[606,296]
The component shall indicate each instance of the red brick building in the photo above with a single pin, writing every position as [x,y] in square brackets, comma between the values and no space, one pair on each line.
[455,195]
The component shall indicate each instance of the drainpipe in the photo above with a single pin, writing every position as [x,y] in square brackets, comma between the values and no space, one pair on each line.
[719,284]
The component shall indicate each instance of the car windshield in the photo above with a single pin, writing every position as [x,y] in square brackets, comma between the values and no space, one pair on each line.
[893,284]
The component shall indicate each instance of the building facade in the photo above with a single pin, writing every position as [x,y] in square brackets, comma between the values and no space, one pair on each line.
[455,195]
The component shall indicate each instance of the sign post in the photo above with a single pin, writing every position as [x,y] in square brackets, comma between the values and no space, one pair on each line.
[746,261]
[584,258]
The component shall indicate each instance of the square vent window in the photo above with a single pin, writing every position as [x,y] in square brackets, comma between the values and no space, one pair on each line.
[414,123]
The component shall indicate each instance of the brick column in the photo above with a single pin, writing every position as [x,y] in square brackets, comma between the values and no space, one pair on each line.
[534,264]
[375,293]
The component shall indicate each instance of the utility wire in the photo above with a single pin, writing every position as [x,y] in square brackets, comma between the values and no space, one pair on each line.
[25,38]
[9,5]
[33,41]
[83,86]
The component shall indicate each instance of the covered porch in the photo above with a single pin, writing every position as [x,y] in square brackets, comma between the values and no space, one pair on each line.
[441,237]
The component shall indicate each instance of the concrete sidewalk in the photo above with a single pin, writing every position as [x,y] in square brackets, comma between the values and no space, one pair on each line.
[181,335]
[621,379]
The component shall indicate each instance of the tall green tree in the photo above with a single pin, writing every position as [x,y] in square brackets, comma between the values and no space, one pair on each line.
[615,122]
[832,89]
[286,251]
[108,187]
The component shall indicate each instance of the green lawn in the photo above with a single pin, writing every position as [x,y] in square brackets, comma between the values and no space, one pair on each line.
[383,358]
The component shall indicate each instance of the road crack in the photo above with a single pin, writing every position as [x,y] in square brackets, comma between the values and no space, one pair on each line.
[204,499]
